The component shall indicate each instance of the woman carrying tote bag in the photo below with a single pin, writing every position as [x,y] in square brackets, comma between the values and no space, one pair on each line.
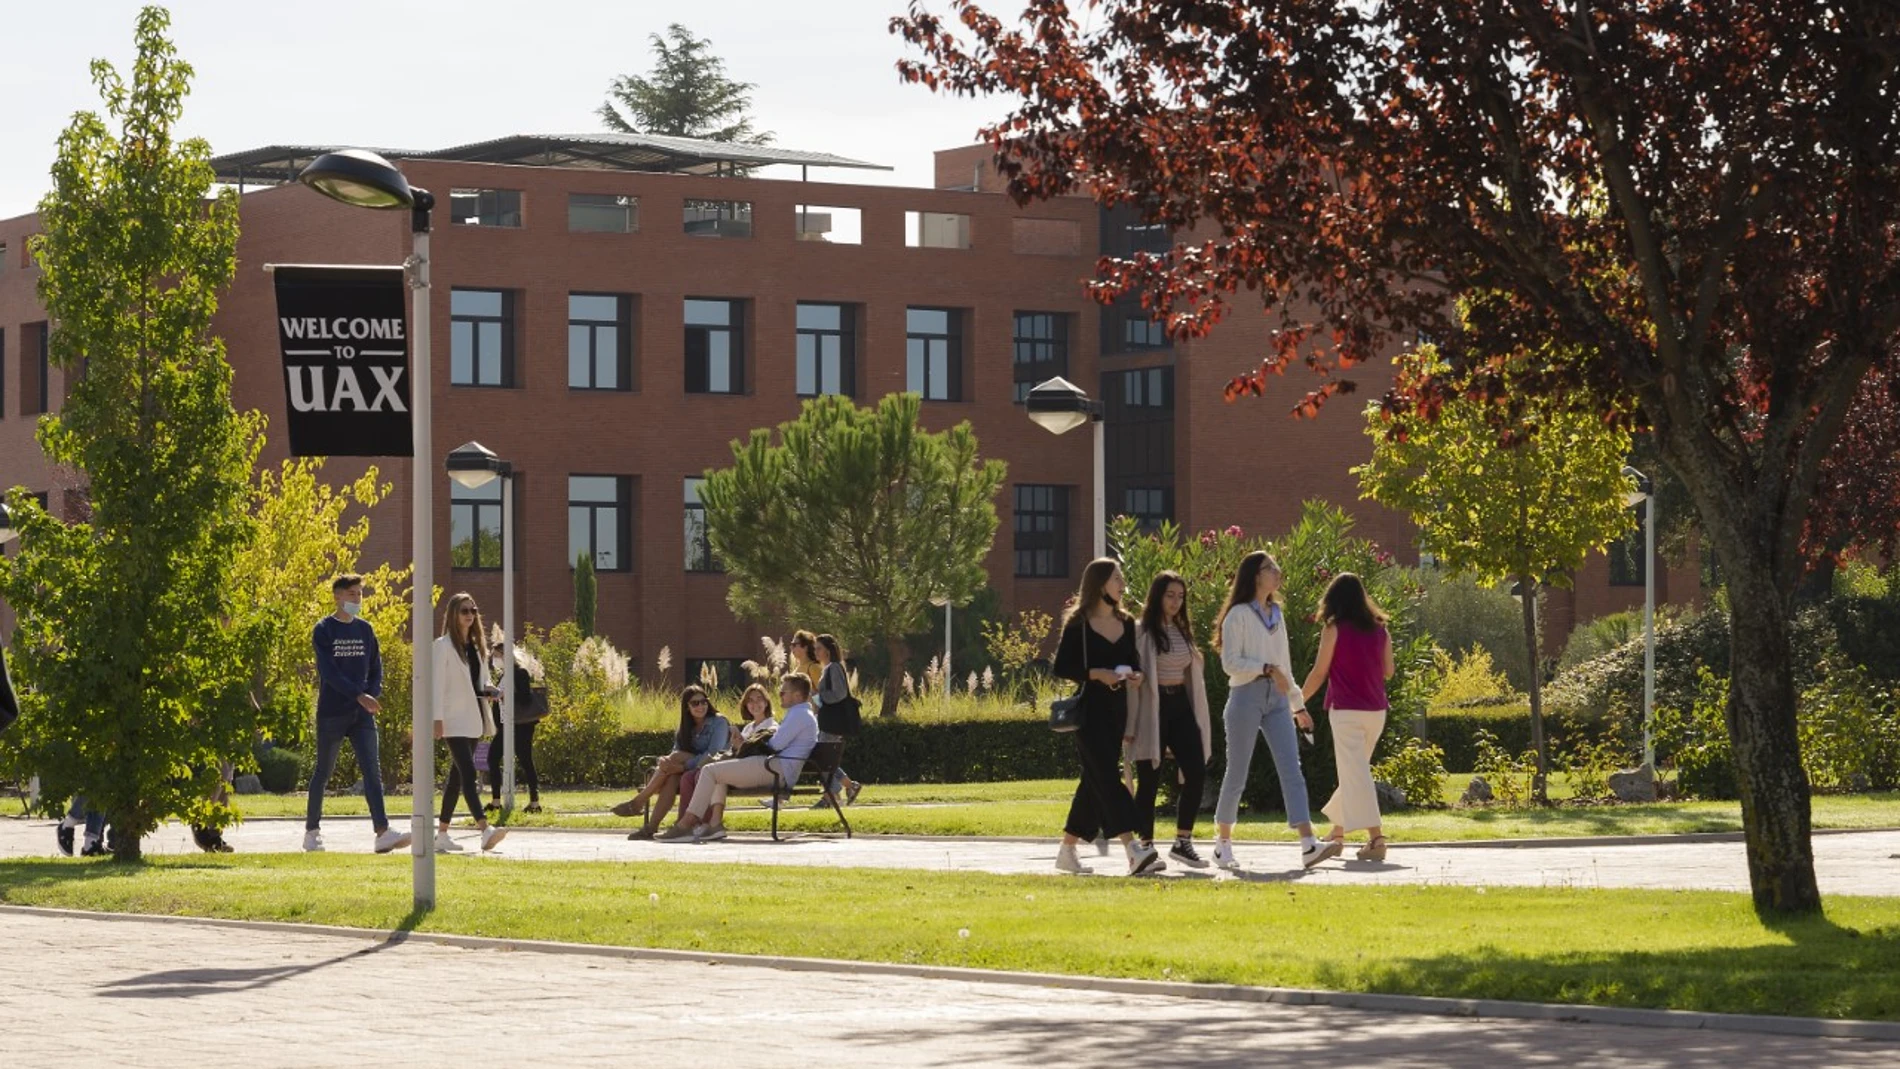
[837,711]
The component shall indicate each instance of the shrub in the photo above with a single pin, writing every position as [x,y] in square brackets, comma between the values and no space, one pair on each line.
[1418,769]
[1469,677]
[1697,737]
[1850,731]
[574,744]
[1590,763]
[277,769]
[1463,615]
[1597,637]
[1511,778]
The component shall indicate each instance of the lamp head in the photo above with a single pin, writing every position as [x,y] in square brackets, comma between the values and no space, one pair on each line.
[1643,489]
[358,177]
[474,465]
[7,531]
[1059,406]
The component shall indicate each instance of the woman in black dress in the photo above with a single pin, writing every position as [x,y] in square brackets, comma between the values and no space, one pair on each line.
[1097,650]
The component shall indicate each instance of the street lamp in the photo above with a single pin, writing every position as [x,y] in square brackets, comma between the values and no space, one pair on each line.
[943,600]
[1644,494]
[474,465]
[1059,406]
[366,180]
[7,531]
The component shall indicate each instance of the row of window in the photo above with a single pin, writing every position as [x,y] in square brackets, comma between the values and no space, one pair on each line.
[600,333]
[612,213]
[600,526]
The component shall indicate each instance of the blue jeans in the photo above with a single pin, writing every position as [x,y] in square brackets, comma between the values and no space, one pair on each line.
[94,820]
[1260,708]
[360,729]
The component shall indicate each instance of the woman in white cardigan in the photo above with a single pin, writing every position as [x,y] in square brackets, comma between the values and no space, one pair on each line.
[462,696]
[1168,713]
[1260,701]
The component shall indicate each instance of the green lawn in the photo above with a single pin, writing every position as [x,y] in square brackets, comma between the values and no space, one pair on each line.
[1037,807]
[1677,950]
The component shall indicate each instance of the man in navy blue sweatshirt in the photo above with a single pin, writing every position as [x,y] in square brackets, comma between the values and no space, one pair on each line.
[349,680]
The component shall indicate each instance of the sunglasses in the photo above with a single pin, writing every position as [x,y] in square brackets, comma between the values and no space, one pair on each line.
[697,703]
[467,611]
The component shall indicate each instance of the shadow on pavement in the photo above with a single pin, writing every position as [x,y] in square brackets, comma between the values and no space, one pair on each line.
[192,983]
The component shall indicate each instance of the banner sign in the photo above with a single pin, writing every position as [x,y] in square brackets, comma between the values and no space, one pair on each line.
[344,333]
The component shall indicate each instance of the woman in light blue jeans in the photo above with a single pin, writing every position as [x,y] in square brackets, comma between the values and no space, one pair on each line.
[1253,649]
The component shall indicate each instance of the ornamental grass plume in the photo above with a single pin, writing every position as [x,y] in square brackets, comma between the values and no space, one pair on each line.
[598,659]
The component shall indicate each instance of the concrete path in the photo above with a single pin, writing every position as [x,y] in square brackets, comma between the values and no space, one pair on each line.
[98,992]
[1858,863]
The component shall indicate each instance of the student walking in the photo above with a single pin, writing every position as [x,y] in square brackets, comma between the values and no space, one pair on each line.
[1253,649]
[1097,650]
[702,735]
[834,686]
[1353,663]
[462,699]
[1170,715]
[349,681]
[528,713]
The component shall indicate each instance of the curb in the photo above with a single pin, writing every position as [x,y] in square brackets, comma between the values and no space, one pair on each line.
[1478,1009]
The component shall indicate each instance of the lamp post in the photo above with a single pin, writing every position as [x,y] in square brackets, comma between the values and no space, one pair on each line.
[944,600]
[1060,406]
[366,180]
[474,465]
[1645,495]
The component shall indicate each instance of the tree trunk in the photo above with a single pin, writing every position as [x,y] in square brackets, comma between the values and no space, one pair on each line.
[1776,808]
[1540,782]
[895,650]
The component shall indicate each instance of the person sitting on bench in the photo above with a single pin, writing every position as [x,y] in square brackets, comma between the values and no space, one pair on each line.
[704,819]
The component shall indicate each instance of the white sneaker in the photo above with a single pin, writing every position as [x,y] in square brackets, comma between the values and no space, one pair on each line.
[1320,851]
[391,839]
[1066,861]
[446,845]
[312,842]
[492,836]
[1143,859]
[1101,846]
[1224,855]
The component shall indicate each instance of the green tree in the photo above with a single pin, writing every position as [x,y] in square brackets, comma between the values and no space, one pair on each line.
[280,581]
[124,616]
[586,593]
[853,519]
[686,95]
[1525,496]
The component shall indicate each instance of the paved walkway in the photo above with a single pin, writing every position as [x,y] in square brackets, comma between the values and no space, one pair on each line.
[1859,863]
[97,992]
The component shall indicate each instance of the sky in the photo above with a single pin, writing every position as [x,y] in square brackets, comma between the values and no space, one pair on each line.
[422,75]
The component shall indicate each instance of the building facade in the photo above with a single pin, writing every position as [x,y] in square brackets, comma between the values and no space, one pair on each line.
[610,329]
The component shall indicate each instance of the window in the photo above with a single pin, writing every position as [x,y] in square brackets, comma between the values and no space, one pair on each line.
[1126,326]
[936,230]
[44,372]
[481,338]
[1148,505]
[485,207]
[837,226]
[1147,388]
[715,345]
[933,353]
[717,673]
[719,218]
[602,213]
[599,341]
[475,526]
[699,552]
[34,368]
[599,521]
[827,362]
[1042,531]
[1041,349]
[1629,565]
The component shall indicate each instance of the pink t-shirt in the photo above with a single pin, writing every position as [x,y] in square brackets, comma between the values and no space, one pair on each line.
[1357,677]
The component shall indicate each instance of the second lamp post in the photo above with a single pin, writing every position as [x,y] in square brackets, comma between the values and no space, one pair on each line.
[474,465]
[1060,406]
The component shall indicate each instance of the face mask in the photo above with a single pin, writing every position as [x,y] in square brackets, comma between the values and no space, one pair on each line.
[353,608]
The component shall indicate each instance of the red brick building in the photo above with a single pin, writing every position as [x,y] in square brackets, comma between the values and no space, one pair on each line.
[611,311]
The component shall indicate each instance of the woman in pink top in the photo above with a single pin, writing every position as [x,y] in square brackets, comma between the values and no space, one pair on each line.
[1355,660]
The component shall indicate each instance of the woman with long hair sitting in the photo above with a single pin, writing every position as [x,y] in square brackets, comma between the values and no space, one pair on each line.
[701,735]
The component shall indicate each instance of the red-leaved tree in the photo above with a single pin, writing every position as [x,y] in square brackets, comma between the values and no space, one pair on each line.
[1699,199]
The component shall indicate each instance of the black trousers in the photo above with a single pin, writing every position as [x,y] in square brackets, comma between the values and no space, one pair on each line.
[462,778]
[1181,733]
[1102,803]
[524,756]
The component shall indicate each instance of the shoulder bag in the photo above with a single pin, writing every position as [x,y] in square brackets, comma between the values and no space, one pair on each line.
[1065,714]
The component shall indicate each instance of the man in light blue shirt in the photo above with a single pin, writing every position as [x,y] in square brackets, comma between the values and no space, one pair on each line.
[704,819]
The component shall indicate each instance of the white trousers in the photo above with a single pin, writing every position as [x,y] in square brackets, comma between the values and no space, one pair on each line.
[1355,804]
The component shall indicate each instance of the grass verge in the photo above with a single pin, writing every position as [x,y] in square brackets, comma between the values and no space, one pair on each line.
[1660,949]
[1037,807]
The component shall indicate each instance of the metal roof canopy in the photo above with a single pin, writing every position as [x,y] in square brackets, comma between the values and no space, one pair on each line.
[607,151]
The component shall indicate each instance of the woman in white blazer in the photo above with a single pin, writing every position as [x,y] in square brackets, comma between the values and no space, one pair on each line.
[463,693]
[1168,713]
[1260,701]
